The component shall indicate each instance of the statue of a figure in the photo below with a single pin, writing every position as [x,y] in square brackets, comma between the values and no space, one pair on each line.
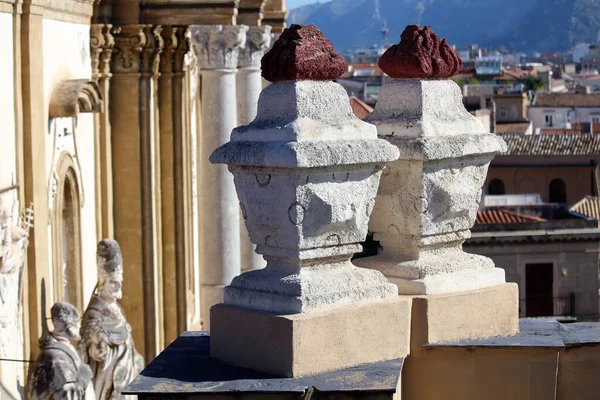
[107,345]
[59,372]
[14,238]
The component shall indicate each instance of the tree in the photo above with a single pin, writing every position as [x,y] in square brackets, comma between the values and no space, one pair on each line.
[532,82]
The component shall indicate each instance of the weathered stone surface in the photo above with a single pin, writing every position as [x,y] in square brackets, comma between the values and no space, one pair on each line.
[58,372]
[106,341]
[428,199]
[302,52]
[306,171]
[420,55]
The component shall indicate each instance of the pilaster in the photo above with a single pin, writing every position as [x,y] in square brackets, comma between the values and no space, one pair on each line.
[176,221]
[249,86]
[102,45]
[136,203]
[250,12]
[217,49]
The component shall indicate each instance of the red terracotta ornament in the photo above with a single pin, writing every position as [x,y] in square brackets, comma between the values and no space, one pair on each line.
[420,55]
[302,52]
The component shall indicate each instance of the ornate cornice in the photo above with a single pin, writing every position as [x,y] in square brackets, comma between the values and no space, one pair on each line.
[258,41]
[129,43]
[217,46]
[72,97]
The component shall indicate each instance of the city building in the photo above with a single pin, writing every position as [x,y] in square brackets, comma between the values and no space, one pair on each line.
[563,110]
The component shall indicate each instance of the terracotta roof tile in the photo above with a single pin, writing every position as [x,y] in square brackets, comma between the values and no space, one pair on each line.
[517,127]
[360,108]
[552,145]
[560,131]
[566,100]
[589,206]
[504,217]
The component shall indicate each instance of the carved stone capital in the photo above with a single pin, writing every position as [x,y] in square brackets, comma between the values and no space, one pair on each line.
[102,43]
[258,41]
[152,49]
[129,43]
[176,46]
[217,46]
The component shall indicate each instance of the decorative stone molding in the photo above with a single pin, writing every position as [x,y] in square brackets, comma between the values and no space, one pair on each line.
[250,12]
[217,46]
[102,43]
[258,41]
[72,97]
[176,46]
[129,43]
[153,48]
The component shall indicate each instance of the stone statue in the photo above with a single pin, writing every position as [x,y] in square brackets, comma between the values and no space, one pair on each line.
[107,345]
[59,372]
[14,238]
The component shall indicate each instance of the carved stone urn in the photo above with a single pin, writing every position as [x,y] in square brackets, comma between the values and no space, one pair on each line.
[428,199]
[306,171]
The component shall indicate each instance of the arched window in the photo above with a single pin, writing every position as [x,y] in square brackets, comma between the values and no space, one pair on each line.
[66,235]
[496,187]
[557,191]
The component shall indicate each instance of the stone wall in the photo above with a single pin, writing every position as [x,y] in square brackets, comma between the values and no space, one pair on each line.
[575,267]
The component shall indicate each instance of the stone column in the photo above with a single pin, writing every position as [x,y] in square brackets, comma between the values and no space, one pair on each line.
[306,177]
[217,47]
[249,86]
[172,188]
[132,94]
[102,43]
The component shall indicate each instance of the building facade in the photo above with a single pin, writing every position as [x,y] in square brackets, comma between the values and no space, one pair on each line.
[109,111]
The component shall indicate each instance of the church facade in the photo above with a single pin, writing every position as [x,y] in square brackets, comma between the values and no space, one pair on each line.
[109,109]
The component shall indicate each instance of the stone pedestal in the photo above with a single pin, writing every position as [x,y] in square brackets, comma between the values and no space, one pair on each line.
[306,171]
[217,47]
[428,199]
[249,86]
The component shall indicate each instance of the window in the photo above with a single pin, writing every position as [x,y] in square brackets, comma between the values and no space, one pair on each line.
[548,119]
[595,120]
[496,187]
[502,113]
[513,113]
[557,191]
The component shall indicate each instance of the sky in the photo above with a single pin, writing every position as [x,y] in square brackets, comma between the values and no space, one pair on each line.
[291,4]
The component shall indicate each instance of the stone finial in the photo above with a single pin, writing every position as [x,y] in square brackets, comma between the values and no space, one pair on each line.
[217,46]
[302,52]
[420,55]
[258,40]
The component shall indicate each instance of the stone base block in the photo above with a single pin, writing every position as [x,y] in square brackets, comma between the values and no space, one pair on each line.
[477,314]
[450,283]
[311,343]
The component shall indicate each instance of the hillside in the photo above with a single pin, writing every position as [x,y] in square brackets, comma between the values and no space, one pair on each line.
[524,25]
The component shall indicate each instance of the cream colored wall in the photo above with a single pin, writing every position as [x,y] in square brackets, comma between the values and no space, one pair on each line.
[8,165]
[67,56]
[11,373]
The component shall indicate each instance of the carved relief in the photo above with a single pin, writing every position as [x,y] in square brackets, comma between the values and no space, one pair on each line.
[258,41]
[217,46]
[153,47]
[14,239]
[129,43]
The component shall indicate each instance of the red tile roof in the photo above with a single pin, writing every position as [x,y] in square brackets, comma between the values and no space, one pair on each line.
[566,100]
[504,217]
[360,108]
[560,131]
[589,206]
[552,145]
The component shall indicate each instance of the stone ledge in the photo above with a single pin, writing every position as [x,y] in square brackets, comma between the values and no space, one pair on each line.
[185,368]
[311,343]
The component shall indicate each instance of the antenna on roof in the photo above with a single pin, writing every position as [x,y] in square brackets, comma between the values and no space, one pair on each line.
[384,33]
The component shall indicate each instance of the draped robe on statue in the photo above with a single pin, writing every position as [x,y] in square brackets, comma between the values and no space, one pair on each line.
[105,322]
[58,364]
